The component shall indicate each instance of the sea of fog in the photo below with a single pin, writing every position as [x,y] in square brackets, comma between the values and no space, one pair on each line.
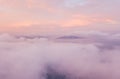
[82,56]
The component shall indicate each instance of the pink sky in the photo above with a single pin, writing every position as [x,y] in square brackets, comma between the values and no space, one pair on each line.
[44,16]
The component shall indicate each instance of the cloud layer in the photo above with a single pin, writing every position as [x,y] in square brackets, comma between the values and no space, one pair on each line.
[93,56]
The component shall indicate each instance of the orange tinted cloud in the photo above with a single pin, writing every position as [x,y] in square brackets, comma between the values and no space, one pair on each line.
[61,13]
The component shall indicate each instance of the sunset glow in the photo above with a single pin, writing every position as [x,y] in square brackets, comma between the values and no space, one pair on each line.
[59,39]
[59,13]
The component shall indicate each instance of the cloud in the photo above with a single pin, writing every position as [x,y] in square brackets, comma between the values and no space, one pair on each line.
[92,14]
[22,57]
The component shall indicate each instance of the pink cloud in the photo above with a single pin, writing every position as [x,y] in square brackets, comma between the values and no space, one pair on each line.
[55,12]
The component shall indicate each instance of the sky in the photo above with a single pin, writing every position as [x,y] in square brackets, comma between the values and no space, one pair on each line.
[56,16]
[85,42]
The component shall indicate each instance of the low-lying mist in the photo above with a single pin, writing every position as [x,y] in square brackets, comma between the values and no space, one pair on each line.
[96,56]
